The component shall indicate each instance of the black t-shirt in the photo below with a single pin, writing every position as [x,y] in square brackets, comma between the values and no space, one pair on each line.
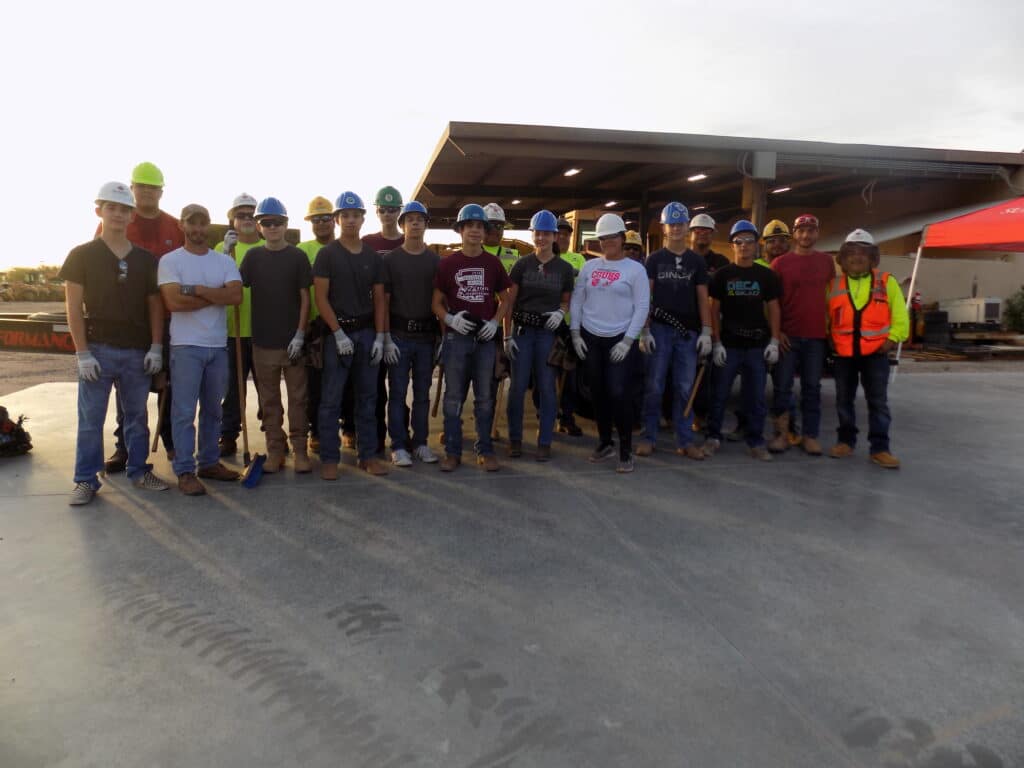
[676,277]
[116,312]
[352,277]
[275,277]
[541,285]
[743,293]
[409,279]
[714,261]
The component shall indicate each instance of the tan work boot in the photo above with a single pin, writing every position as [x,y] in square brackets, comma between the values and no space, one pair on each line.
[189,485]
[274,463]
[760,453]
[644,448]
[811,446]
[780,442]
[450,463]
[488,462]
[691,452]
[373,466]
[841,450]
[301,461]
[329,471]
[886,460]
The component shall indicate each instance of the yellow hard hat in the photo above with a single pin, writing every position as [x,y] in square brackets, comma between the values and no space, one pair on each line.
[148,174]
[633,238]
[319,206]
[774,228]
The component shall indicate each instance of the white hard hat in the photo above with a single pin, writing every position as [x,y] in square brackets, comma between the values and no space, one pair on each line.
[610,224]
[702,220]
[241,201]
[115,192]
[494,212]
[860,236]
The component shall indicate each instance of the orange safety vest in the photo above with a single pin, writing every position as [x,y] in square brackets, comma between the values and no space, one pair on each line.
[859,331]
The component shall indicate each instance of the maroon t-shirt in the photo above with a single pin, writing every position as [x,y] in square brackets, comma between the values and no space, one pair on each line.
[469,283]
[383,245]
[804,279]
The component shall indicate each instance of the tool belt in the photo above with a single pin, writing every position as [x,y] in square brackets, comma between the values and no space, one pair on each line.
[751,334]
[418,325]
[350,324]
[314,348]
[668,318]
[528,319]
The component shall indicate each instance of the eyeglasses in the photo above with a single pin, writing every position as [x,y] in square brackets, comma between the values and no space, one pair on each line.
[272,222]
[244,216]
[387,209]
[324,219]
[122,271]
[743,241]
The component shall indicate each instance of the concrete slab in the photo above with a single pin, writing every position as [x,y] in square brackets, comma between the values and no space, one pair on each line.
[805,613]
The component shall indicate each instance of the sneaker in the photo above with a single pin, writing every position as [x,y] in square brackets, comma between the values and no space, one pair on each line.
[644,448]
[711,446]
[450,463]
[736,435]
[811,446]
[401,458]
[82,494]
[189,485]
[886,460]
[218,472]
[374,467]
[760,453]
[543,453]
[424,454]
[116,463]
[602,452]
[228,446]
[691,452]
[150,482]
[570,428]
[515,449]
[625,466]
[488,462]
[840,450]
[329,471]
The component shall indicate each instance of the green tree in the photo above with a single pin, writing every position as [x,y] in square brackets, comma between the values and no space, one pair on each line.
[1013,311]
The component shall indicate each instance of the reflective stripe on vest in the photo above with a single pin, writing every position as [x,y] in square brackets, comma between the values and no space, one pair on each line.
[867,327]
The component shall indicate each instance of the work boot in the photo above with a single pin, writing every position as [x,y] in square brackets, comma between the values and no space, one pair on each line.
[301,462]
[644,448]
[116,463]
[274,463]
[228,446]
[515,449]
[885,459]
[488,462]
[314,444]
[543,453]
[779,443]
[760,453]
[374,467]
[841,450]
[450,463]
[329,471]
[570,428]
[189,485]
[811,446]
[691,452]
[218,472]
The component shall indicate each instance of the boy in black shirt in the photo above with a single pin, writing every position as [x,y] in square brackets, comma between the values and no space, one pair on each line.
[746,337]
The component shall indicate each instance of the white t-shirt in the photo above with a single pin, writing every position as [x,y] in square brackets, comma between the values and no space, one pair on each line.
[206,327]
[611,297]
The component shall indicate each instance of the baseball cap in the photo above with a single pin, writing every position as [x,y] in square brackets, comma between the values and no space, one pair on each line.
[194,209]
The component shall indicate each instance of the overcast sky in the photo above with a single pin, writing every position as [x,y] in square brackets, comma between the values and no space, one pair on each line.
[295,99]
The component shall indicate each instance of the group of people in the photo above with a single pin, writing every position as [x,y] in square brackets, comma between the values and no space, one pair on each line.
[351,323]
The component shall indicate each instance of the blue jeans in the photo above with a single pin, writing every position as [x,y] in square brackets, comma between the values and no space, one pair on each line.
[749,363]
[337,370]
[677,352]
[807,356]
[873,372]
[199,376]
[123,366]
[415,360]
[466,361]
[534,347]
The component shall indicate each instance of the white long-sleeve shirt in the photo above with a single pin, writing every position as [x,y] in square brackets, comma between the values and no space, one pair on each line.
[611,297]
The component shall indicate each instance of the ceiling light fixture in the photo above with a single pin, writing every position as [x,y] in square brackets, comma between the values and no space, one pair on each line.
[516,202]
[611,203]
[698,208]
[572,171]
[780,190]
[697,177]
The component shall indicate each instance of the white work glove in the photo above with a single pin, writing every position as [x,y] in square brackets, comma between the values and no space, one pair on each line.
[391,351]
[230,240]
[554,319]
[511,348]
[295,345]
[579,345]
[704,342]
[377,350]
[647,343]
[620,350]
[771,352]
[487,330]
[345,345]
[154,360]
[88,366]
[719,355]
[459,322]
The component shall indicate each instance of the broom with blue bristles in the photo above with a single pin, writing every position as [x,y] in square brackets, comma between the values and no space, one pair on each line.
[253,469]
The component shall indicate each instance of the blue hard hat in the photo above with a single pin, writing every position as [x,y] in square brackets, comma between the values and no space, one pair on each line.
[270,206]
[349,201]
[413,206]
[471,212]
[675,213]
[544,221]
[742,226]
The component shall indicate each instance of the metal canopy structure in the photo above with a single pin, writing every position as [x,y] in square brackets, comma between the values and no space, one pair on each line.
[525,167]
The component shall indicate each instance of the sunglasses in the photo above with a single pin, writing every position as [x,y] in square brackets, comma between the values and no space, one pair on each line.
[388,209]
[244,216]
[743,241]
[272,222]
[122,271]
[324,219]
[632,248]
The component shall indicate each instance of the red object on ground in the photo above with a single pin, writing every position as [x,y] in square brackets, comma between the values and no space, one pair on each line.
[996,228]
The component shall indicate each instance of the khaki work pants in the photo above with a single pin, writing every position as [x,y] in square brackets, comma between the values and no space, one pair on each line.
[270,364]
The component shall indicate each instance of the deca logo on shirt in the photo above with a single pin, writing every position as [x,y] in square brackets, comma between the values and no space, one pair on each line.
[743,287]
[604,277]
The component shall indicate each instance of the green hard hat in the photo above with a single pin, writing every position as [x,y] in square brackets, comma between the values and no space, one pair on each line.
[147,173]
[388,196]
